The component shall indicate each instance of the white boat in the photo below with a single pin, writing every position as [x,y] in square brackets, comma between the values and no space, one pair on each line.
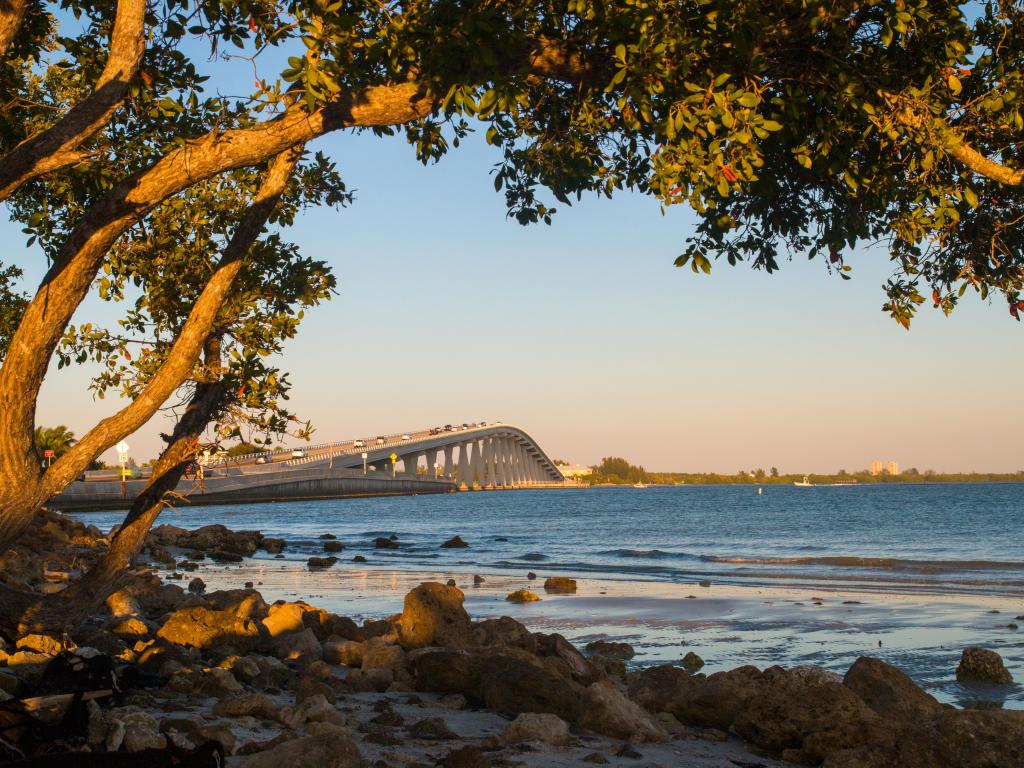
[640,485]
[805,483]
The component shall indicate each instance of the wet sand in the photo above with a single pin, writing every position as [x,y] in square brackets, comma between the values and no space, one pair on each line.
[727,625]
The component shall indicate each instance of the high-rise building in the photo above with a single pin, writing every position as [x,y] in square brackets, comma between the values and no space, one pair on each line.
[892,468]
[876,467]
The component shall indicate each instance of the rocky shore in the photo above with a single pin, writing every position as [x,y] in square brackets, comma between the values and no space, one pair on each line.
[168,674]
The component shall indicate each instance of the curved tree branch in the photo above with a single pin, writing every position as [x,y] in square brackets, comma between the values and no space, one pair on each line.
[57,146]
[184,353]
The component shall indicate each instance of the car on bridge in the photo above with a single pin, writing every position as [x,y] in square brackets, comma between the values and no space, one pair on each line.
[298,453]
[406,437]
[380,440]
[358,443]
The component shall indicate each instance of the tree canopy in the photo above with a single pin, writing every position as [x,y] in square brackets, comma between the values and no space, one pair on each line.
[809,128]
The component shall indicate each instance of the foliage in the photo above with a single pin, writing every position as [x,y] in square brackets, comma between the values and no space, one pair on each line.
[12,303]
[57,439]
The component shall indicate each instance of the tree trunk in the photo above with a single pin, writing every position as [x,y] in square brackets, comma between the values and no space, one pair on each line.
[12,13]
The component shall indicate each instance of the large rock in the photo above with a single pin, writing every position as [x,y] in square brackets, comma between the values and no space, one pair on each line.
[209,538]
[715,701]
[607,711]
[511,686]
[814,714]
[537,727]
[964,739]
[332,749]
[302,647]
[611,650]
[433,615]
[285,617]
[455,542]
[522,596]
[443,670]
[569,660]
[251,704]
[888,691]
[560,585]
[657,689]
[503,632]
[347,652]
[380,654]
[232,621]
[983,666]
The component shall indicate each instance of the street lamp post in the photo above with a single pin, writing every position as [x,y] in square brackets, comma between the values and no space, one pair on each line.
[122,458]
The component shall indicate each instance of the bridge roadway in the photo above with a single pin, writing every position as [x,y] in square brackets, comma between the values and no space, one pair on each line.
[490,457]
[493,455]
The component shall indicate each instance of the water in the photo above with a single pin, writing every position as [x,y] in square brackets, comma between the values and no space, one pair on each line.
[909,573]
[932,539]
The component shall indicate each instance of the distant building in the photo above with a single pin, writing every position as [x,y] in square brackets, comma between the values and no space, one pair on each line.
[892,468]
[575,470]
[876,467]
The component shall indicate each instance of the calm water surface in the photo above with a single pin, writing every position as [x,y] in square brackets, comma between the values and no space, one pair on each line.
[910,538]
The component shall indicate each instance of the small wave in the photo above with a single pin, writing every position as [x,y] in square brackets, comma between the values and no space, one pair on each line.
[645,553]
[533,557]
[876,563]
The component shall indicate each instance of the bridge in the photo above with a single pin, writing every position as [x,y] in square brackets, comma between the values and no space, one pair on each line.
[473,456]
[440,460]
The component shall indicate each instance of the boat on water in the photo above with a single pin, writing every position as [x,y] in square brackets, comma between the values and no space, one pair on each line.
[805,483]
[641,484]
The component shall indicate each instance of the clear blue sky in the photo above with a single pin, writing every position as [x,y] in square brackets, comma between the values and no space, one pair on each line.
[585,334]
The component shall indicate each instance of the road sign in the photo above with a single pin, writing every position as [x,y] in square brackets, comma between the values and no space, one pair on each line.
[364,454]
[49,453]
[394,457]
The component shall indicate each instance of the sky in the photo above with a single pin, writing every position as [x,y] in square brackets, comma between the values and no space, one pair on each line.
[585,335]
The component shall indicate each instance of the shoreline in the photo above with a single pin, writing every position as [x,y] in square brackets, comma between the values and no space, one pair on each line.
[727,625]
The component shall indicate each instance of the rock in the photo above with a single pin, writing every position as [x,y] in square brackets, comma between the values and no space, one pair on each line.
[512,686]
[133,730]
[187,565]
[560,585]
[715,701]
[370,680]
[503,632]
[343,627]
[704,583]
[315,709]
[451,582]
[327,536]
[452,701]
[608,712]
[815,716]
[223,556]
[455,542]
[538,727]
[692,662]
[566,659]
[197,586]
[285,617]
[431,728]
[962,739]
[123,603]
[347,652]
[331,749]
[382,542]
[333,546]
[298,646]
[380,654]
[236,624]
[433,615]
[656,689]
[596,758]
[465,757]
[983,666]
[358,559]
[478,580]
[321,562]
[130,629]
[531,575]
[522,596]
[40,644]
[442,670]
[888,691]
[251,704]
[611,650]
[272,546]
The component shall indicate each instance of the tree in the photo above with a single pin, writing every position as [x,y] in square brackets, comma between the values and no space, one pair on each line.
[57,439]
[790,128]
[775,472]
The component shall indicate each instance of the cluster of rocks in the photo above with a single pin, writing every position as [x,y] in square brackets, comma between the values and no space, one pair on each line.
[286,672]
[52,552]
